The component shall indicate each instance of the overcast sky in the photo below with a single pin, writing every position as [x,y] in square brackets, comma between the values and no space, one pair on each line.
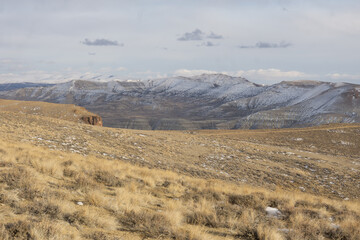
[263,40]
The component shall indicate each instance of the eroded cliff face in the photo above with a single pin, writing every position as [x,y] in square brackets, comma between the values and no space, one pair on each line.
[92,120]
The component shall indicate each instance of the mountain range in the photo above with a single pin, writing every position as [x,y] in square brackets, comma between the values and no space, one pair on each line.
[208,101]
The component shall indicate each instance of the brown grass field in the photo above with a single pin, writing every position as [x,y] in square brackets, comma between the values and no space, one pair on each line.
[62,179]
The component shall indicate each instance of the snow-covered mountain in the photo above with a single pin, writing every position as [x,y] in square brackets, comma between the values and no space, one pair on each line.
[205,101]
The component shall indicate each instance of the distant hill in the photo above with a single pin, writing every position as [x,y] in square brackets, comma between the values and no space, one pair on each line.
[208,101]
[13,86]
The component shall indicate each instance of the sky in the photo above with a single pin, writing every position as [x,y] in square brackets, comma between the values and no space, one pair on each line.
[265,41]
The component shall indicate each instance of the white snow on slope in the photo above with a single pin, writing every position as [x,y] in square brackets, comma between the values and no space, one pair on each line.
[311,93]
[286,101]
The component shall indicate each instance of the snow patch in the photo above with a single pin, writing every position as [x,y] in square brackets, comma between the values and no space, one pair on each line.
[339,84]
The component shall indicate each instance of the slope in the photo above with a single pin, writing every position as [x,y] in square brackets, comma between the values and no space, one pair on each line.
[67,112]
[65,180]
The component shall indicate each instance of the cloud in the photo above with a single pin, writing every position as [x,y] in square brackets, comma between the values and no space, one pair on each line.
[268,45]
[208,44]
[198,35]
[101,42]
[119,69]
[214,36]
[190,73]
[105,69]
[9,64]
[195,35]
[56,77]
[344,76]
[149,74]
[272,75]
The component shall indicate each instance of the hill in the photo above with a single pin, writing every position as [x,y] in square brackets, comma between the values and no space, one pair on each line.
[61,179]
[208,101]
[68,112]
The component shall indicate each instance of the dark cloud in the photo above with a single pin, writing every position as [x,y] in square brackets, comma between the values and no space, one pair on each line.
[208,44]
[268,45]
[195,35]
[198,35]
[272,45]
[101,42]
[214,36]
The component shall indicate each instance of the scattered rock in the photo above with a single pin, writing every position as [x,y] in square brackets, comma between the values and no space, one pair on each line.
[273,212]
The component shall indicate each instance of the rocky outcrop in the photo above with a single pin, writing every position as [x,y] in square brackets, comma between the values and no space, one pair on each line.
[92,120]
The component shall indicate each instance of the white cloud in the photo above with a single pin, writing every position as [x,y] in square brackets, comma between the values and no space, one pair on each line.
[273,75]
[147,75]
[119,69]
[344,76]
[190,73]
[105,69]
[52,77]
[261,76]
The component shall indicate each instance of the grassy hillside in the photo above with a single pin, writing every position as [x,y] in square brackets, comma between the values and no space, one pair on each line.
[50,194]
[65,180]
[68,112]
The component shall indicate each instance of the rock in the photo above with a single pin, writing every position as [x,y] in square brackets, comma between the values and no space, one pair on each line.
[92,120]
[333,225]
[273,212]
[80,203]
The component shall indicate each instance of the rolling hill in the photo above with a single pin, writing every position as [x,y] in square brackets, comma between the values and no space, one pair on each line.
[208,101]
[62,179]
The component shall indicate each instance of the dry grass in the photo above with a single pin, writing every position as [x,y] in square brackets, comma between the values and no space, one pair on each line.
[68,112]
[322,161]
[122,201]
[62,180]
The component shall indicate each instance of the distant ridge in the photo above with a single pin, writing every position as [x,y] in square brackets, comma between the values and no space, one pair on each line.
[207,101]
[13,86]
